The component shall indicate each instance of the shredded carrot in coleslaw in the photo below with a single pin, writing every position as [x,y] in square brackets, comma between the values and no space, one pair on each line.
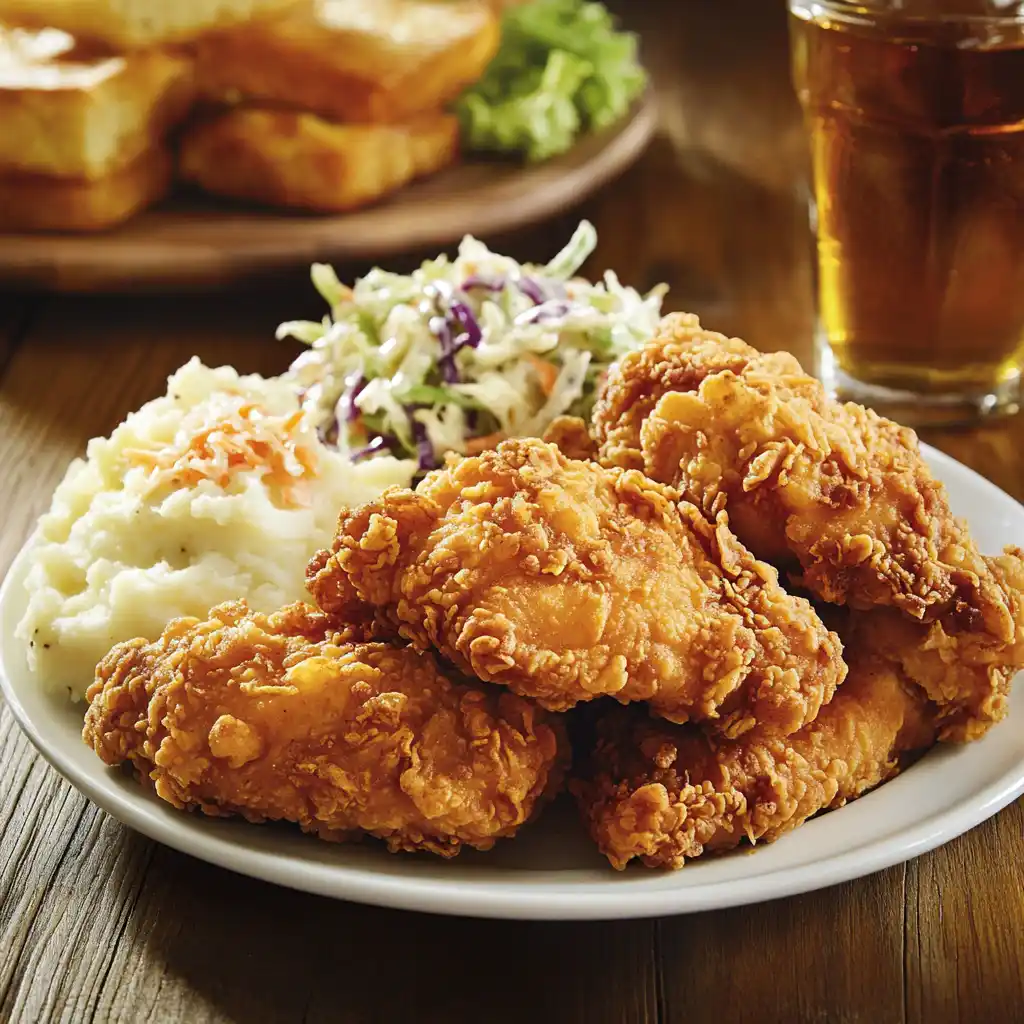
[547,373]
[476,445]
[248,440]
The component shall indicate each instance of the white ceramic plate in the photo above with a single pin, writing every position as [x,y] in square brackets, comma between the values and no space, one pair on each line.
[551,871]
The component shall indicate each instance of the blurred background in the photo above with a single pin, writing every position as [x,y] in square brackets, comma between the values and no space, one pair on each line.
[714,208]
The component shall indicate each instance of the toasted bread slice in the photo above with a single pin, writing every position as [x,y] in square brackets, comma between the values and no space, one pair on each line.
[133,24]
[385,61]
[67,114]
[284,158]
[36,203]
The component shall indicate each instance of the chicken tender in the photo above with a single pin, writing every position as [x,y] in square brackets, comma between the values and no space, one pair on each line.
[283,717]
[666,794]
[566,581]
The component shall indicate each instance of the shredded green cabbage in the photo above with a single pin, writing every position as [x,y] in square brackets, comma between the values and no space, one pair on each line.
[464,351]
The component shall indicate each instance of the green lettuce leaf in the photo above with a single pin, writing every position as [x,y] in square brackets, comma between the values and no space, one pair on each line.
[563,68]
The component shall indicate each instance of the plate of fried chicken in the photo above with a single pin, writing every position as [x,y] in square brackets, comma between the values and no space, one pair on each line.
[667,637]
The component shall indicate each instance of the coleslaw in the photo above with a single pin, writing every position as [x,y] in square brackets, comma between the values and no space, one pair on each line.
[463,352]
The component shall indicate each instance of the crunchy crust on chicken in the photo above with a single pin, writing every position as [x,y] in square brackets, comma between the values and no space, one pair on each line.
[678,358]
[966,674]
[282,717]
[571,436]
[566,581]
[665,794]
[835,493]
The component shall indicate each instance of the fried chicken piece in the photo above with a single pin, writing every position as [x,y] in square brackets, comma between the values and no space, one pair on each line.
[849,495]
[678,358]
[283,717]
[965,674]
[835,492]
[666,794]
[843,490]
[566,581]
[571,435]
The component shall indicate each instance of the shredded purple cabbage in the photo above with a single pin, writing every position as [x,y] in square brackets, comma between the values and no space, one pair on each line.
[554,309]
[347,407]
[378,444]
[472,335]
[441,330]
[489,284]
[449,371]
[455,327]
[532,289]
[424,449]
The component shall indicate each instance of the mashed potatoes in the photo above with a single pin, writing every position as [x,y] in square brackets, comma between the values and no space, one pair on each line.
[219,490]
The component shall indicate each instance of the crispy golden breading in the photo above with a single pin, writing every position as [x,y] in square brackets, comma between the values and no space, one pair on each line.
[678,358]
[566,581]
[841,488]
[383,62]
[965,673]
[571,436]
[665,794]
[68,113]
[37,203]
[844,490]
[280,718]
[132,24]
[299,160]
[834,492]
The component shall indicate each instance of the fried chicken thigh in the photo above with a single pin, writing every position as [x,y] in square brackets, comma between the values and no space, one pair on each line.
[566,581]
[835,493]
[678,358]
[666,794]
[282,717]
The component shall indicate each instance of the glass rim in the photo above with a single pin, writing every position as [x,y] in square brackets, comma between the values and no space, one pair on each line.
[858,13]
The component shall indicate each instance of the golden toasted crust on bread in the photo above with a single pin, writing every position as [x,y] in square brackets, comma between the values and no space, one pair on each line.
[283,158]
[36,203]
[351,60]
[131,24]
[68,114]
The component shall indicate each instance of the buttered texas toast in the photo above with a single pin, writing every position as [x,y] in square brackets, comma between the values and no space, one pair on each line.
[354,60]
[128,24]
[67,114]
[37,203]
[285,158]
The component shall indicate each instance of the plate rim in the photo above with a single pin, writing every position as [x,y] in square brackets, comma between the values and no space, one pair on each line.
[546,900]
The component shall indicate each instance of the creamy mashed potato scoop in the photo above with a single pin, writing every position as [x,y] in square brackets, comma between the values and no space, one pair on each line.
[220,489]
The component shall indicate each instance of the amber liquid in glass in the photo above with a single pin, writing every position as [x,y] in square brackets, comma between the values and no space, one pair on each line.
[917,139]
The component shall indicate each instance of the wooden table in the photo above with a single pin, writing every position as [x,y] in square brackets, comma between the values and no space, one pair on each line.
[97,923]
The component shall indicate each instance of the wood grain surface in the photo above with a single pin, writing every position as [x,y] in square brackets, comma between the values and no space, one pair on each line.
[99,924]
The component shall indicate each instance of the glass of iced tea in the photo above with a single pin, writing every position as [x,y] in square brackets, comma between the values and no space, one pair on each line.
[915,110]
